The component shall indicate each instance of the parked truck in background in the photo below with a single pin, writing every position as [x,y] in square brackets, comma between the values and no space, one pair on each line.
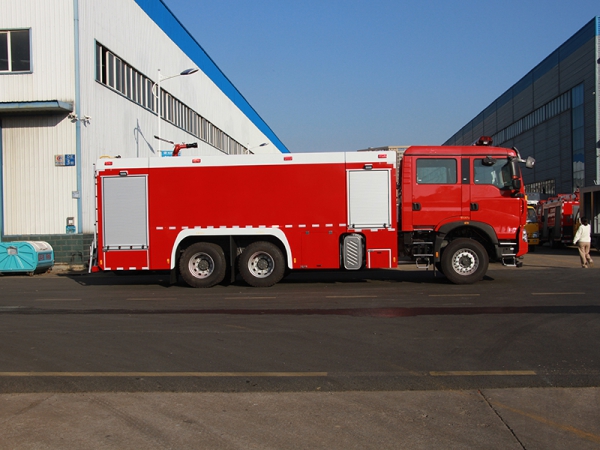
[556,217]
[209,218]
[532,227]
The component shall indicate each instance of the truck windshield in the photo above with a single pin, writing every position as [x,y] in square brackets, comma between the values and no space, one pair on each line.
[531,215]
[497,174]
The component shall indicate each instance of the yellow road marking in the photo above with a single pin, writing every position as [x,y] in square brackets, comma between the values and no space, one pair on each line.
[57,299]
[558,293]
[576,431]
[454,295]
[478,373]
[163,374]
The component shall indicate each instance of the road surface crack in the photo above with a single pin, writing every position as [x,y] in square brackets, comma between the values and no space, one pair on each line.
[506,425]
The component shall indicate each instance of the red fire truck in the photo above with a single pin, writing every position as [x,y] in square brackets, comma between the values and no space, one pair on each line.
[556,218]
[211,217]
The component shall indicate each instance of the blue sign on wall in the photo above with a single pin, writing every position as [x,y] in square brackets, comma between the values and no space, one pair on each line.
[64,160]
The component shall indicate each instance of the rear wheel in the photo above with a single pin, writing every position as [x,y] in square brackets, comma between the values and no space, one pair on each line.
[464,261]
[202,265]
[261,264]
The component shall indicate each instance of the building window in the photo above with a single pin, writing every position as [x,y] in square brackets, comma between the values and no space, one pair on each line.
[577,116]
[15,51]
[436,171]
[118,75]
[543,187]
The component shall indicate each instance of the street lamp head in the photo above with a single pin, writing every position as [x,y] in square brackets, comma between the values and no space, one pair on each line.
[189,71]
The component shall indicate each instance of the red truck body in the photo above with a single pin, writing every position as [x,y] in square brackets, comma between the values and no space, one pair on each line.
[262,215]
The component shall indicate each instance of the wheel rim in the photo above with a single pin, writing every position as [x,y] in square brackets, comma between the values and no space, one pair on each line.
[201,265]
[261,264]
[465,262]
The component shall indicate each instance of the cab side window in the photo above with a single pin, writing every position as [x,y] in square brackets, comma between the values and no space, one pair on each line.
[436,171]
[497,174]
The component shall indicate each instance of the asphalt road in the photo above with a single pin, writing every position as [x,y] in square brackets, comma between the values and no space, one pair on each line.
[394,330]
[397,359]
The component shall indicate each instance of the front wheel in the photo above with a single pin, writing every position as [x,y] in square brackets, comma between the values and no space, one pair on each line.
[464,261]
[261,264]
[202,265]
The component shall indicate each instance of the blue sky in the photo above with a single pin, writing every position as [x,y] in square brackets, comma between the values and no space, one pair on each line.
[334,75]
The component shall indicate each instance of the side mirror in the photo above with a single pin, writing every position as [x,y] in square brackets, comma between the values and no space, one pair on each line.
[488,161]
[530,162]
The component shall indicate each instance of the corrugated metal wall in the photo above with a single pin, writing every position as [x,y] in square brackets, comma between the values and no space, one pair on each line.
[37,194]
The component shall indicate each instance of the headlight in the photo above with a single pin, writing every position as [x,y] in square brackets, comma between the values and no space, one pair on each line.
[524,235]
[535,235]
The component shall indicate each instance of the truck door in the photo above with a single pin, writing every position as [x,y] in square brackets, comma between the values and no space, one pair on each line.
[491,200]
[125,223]
[437,193]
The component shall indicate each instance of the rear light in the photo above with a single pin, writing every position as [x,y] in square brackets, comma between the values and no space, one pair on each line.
[196,161]
[382,156]
[287,158]
[108,163]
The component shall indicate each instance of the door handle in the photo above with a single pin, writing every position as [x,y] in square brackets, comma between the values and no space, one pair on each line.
[416,207]
[474,206]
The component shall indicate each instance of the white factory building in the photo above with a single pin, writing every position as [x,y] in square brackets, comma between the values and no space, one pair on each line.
[79,79]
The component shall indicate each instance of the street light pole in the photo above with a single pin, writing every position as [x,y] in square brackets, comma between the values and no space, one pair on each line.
[249,150]
[158,97]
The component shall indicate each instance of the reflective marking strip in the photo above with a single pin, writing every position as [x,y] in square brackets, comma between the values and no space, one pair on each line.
[159,228]
[315,225]
[289,226]
[172,228]
[163,374]
[301,226]
[342,225]
[329,225]
[482,373]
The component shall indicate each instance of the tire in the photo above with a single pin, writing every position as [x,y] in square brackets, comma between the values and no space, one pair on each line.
[261,264]
[202,265]
[464,261]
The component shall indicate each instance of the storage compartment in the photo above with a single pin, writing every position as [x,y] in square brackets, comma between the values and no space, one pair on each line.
[26,256]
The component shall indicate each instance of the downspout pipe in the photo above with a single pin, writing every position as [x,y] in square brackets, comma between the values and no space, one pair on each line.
[78,113]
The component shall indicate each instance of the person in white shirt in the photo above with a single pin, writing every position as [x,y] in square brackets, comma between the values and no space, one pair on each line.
[583,239]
